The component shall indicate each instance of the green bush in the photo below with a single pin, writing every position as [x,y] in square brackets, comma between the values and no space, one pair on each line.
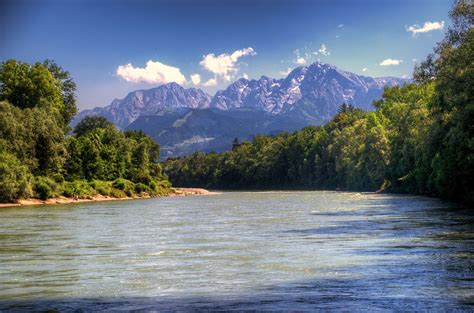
[45,188]
[117,193]
[78,189]
[15,179]
[124,185]
[159,188]
[102,187]
[42,190]
[141,187]
[58,178]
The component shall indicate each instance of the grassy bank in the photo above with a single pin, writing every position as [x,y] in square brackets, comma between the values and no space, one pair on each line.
[44,188]
[97,197]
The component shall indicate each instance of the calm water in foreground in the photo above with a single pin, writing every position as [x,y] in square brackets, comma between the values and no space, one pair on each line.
[239,251]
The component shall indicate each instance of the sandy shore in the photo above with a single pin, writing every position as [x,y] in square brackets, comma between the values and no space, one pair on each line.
[192,192]
[177,192]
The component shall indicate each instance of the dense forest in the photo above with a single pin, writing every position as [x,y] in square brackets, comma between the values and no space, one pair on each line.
[419,139]
[41,158]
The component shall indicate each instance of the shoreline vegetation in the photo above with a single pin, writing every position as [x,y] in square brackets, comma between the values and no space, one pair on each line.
[175,192]
[41,157]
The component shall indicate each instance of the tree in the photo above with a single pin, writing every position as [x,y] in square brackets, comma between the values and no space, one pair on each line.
[141,163]
[462,16]
[235,143]
[34,137]
[345,108]
[30,86]
[90,123]
[451,135]
[15,179]
[68,89]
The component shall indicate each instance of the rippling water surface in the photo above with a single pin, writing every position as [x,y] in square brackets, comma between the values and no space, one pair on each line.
[239,251]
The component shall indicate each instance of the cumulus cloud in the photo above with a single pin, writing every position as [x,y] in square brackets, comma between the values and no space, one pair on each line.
[196,79]
[388,62]
[210,83]
[153,73]
[340,25]
[225,65]
[365,69]
[288,71]
[298,58]
[324,50]
[427,27]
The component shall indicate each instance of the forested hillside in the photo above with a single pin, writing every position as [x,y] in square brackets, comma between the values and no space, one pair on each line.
[419,140]
[39,159]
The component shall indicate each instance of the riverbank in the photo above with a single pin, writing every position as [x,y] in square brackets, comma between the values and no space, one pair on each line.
[176,192]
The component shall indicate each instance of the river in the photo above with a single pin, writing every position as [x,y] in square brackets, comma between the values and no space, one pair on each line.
[239,251]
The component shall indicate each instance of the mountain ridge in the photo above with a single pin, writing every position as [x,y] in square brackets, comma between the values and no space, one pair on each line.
[123,112]
[322,84]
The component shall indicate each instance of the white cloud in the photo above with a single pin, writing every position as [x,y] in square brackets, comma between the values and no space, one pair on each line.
[210,83]
[340,25]
[365,69]
[196,79]
[388,62]
[298,58]
[246,76]
[427,27]
[414,60]
[225,65]
[324,50]
[288,71]
[152,73]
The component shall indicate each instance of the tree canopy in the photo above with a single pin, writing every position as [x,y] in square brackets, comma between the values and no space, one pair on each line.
[90,123]
[41,85]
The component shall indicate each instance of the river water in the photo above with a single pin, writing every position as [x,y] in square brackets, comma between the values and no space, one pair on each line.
[239,251]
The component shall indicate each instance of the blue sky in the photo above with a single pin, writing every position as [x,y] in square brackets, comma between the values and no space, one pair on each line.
[112,47]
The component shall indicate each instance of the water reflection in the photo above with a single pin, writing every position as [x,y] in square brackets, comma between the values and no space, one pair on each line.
[255,251]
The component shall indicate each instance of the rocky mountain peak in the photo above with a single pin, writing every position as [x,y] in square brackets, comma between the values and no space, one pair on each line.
[316,90]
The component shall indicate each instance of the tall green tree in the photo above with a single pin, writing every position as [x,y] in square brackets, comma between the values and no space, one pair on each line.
[41,85]
[68,89]
[451,139]
[90,123]
[15,179]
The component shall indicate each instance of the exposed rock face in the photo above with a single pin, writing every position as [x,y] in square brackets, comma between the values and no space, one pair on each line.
[146,102]
[321,84]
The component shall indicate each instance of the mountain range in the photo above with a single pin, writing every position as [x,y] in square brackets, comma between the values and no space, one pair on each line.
[185,120]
